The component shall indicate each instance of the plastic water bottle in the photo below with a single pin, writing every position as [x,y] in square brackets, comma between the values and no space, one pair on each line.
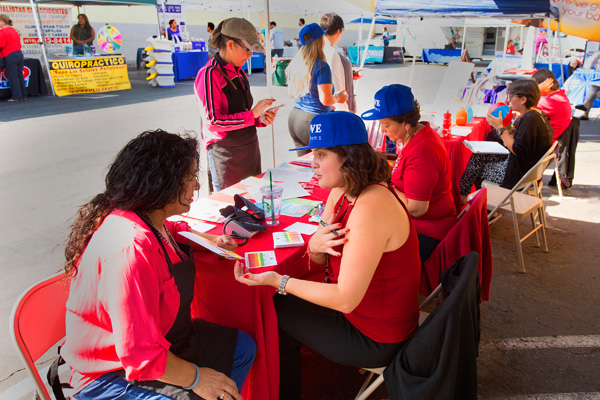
[93,50]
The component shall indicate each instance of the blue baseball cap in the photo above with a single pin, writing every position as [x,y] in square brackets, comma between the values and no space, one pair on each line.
[391,101]
[336,128]
[310,32]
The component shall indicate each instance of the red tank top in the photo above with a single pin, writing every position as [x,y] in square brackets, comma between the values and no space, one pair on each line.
[389,311]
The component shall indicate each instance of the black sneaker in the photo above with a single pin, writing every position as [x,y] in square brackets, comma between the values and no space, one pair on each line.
[583,118]
[581,107]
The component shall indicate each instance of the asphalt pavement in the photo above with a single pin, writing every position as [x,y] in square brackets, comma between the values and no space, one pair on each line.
[540,330]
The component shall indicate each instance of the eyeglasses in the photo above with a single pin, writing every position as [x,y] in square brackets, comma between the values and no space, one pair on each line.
[511,96]
[243,47]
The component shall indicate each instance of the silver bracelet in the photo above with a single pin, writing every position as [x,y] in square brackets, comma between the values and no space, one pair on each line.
[281,288]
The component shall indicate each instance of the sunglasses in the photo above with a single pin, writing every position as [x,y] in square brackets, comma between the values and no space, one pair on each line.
[243,47]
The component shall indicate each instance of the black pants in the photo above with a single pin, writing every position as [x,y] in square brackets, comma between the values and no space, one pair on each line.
[426,246]
[327,332]
[14,63]
[276,52]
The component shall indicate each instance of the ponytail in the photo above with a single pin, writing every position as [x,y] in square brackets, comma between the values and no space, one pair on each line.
[89,217]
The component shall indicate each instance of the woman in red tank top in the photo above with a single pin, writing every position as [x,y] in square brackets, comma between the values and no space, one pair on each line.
[367,306]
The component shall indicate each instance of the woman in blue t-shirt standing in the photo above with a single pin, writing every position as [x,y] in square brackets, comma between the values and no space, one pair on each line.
[309,82]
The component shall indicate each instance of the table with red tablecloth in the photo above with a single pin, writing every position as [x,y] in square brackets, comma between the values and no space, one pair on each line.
[459,155]
[219,298]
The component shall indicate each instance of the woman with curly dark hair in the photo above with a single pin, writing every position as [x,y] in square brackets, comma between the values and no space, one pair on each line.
[82,34]
[367,306]
[421,174]
[129,328]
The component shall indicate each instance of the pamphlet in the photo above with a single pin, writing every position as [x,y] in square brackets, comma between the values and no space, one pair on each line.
[212,246]
[281,240]
[260,259]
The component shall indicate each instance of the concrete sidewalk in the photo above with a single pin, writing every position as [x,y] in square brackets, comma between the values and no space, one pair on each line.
[56,151]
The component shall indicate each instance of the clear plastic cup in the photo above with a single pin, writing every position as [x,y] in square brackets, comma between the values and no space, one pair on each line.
[271,202]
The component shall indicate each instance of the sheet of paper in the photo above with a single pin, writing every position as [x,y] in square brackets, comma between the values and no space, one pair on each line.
[207,210]
[261,259]
[300,227]
[232,191]
[212,246]
[291,190]
[486,147]
[202,227]
[288,175]
[460,130]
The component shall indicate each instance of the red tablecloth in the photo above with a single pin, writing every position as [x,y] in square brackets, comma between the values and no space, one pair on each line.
[459,154]
[219,298]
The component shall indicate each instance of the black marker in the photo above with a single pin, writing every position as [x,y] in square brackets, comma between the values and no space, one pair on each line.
[325,225]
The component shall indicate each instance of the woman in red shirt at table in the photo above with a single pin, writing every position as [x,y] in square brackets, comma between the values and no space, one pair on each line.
[421,174]
[129,330]
[10,49]
[554,102]
[367,306]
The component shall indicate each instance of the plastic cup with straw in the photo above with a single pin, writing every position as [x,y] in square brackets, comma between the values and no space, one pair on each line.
[272,205]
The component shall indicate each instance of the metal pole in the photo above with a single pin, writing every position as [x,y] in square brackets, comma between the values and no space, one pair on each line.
[364,54]
[35,10]
[164,9]
[549,49]
[269,68]
[562,69]
[249,62]
[505,46]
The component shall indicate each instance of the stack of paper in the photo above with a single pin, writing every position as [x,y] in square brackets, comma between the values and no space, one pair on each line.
[282,240]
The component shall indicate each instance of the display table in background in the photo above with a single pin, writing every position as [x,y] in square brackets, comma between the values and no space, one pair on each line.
[186,64]
[374,54]
[393,55]
[515,62]
[459,155]
[579,84]
[440,55]
[34,79]
[257,61]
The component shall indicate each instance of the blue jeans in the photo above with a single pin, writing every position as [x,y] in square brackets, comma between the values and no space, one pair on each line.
[213,172]
[112,386]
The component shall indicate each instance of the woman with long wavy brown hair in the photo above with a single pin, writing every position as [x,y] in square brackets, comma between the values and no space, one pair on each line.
[129,330]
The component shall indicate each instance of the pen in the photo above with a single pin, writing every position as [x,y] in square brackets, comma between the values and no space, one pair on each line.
[325,225]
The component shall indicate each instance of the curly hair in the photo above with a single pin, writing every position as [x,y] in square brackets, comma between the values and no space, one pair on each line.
[362,166]
[412,117]
[146,175]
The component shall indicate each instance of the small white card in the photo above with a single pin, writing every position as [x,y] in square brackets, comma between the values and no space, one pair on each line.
[301,227]
[260,259]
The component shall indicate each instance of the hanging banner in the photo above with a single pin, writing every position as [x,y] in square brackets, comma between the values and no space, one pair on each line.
[579,18]
[91,75]
[56,22]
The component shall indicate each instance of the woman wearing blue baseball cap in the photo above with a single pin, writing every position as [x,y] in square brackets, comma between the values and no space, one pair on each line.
[367,305]
[421,173]
[310,83]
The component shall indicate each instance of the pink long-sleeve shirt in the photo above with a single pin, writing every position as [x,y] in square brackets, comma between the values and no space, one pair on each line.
[122,302]
[214,107]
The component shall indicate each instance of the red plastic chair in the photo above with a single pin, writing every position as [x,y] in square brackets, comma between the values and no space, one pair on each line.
[37,323]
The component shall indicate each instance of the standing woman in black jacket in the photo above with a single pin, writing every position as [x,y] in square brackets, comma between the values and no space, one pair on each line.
[10,49]
[527,141]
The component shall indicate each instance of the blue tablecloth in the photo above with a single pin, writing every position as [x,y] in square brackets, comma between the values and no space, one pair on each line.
[187,64]
[440,55]
[579,83]
[257,61]
[374,54]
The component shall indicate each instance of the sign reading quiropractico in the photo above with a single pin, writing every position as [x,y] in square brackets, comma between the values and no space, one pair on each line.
[89,75]
[56,22]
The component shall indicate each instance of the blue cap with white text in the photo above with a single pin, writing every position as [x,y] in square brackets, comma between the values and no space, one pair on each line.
[336,128]
[391,101]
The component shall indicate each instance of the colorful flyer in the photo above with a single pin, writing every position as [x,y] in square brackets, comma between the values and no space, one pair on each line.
[282,240]
[261,259]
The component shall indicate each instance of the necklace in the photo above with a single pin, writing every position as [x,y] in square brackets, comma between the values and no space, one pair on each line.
[172,242]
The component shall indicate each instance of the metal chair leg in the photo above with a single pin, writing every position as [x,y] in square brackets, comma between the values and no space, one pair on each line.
[517,235]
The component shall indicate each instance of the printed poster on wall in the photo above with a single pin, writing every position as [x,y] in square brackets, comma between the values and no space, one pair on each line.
[56,22]
[92,75]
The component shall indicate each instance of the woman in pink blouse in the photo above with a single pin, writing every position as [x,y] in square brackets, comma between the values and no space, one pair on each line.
[129,330]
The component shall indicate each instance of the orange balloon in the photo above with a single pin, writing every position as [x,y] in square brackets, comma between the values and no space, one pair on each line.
[461,117]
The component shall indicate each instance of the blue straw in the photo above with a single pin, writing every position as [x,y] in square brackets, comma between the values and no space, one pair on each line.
[272,206]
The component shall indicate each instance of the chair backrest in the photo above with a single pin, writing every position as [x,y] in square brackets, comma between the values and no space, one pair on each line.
[37,323]
[439,360]
[530,178]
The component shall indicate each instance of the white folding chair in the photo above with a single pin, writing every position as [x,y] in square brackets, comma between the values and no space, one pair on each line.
[366,390]
[524,199]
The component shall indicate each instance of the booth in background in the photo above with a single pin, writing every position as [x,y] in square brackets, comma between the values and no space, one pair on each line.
[578,85]
[34,79]
[393,55]
[374,54]
[186,64]
[440,55]
[257,61]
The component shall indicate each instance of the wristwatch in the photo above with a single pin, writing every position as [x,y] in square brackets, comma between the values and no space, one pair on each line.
[281,288]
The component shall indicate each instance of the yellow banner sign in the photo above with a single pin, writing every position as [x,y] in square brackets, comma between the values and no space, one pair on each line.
[102,74]
[578,18]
